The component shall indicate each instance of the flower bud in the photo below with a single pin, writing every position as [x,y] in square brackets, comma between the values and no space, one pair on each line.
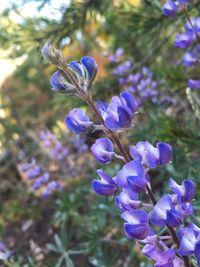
[78,122]
[102,150]
[52,55]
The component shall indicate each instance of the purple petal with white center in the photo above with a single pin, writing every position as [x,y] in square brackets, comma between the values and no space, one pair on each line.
[102,108]
[102,150]
[187,241]
[105,186]
[77,121]
[139,231]
[184,192]
[76,67]
[185,209]
[158,215]
[135,217]
[146,153]
[127,200]
[102,188]
[105,177]
[132,168]
[137,224]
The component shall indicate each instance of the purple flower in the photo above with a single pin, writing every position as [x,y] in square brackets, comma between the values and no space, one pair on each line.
[102,150]
[34,172]
[41,180]
[54,185]
[137,183]
[184,192]
[77,68]
[106,186]
[51,187]
[131,169]
[190,59]
[78,122]
[59,84]
[163,257]
[185,209]
[151,156]
[194,84]
[123,68]
[118,54]
[128,200]
[164,213]
[189,240]
[59,152]
[90,66]
[183,40]
[119,112]
[137,224]
[169,9]
[188,27]
[28,165]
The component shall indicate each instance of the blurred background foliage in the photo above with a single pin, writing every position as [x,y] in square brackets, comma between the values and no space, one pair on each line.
[75,227]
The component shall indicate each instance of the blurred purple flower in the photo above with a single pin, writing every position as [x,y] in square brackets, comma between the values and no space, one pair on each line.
[169,9]
[190,59]
[194,84]
[184,40]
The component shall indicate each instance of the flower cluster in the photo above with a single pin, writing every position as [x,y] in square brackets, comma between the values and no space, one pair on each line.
[56,149]
[189,39]
[133,183]
[141,84]
[39,179]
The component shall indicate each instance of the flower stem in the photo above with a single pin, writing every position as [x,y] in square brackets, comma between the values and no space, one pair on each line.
[121,148]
